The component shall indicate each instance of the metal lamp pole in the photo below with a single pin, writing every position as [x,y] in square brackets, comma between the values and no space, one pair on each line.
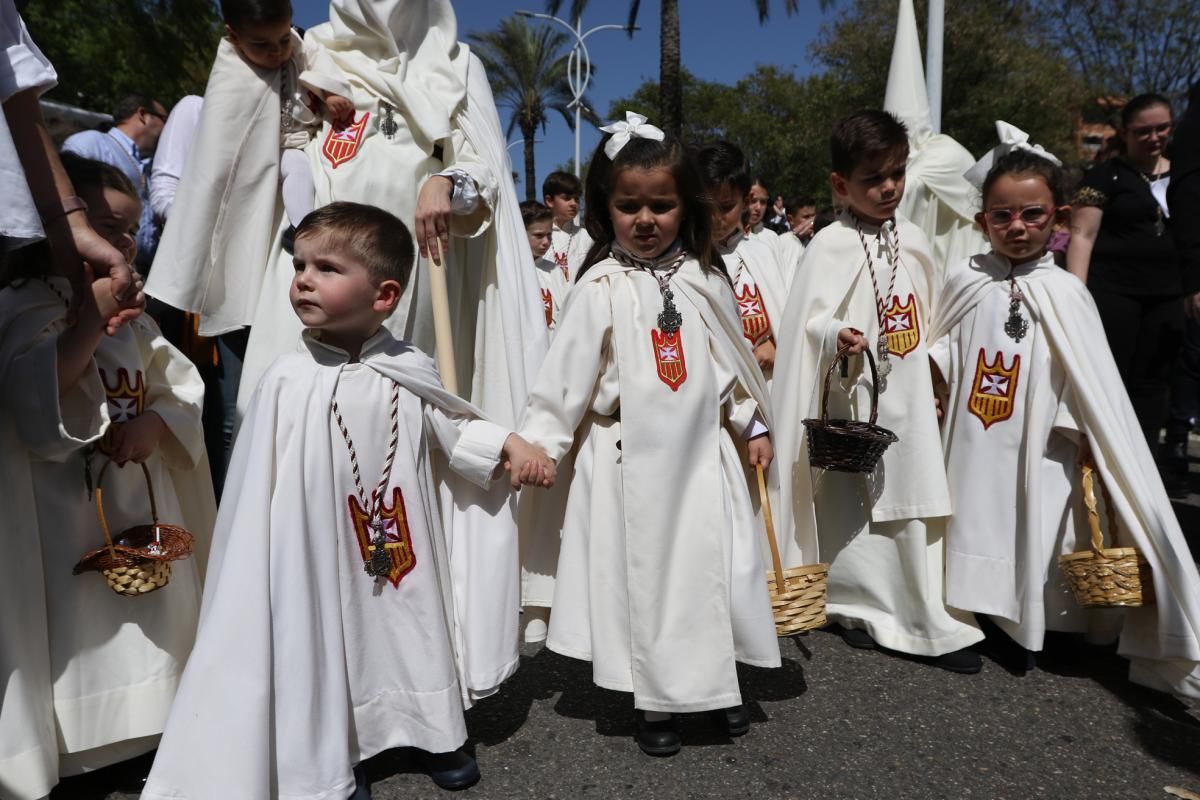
[579,63]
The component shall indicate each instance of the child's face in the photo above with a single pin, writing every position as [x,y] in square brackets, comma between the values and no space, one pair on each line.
[563,206]
[756,205]
[1019,216]
[332,290]
[115,216]
[539,237]
[728,206]
[873,190]
[646,210]
[266,44]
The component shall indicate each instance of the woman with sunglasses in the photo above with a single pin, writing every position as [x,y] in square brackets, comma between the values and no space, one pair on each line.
[1123,248]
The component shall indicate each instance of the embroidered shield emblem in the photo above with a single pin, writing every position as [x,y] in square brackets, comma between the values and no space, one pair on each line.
[341,146]
[903,326]
[668,354]
[125,399]
[399,540]
[755,322]
[560,260]
[994,389]
[548,307]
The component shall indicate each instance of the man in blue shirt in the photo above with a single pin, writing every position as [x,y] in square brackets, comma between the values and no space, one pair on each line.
[129,145]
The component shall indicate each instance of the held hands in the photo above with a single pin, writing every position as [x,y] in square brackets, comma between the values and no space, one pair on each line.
[137,439]
[527,464]
[854,339]
[760,451]
[433,217]
[340,110]
[764,353]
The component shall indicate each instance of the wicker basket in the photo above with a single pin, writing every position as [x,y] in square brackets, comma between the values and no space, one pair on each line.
[845,445]
[799,603]
[1105,577]
[139,560]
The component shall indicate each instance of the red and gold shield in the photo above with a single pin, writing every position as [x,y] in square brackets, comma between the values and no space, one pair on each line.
[994,388]
[126,400]
[341,146]
[399,540]
[756,324]
[902,326]
[548,307]
[668,354]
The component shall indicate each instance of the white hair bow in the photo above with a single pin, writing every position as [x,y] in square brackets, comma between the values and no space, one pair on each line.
[1011,138]
[634,126]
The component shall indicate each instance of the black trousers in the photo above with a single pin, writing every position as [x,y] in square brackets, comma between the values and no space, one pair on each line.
[1185,385]
[1145,334]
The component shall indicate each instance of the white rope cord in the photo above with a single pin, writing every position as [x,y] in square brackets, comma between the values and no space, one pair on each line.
[375,507]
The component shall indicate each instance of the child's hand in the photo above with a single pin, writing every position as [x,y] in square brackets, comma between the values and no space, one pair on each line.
[341,110]
[852,338]
[764,353]
[937,408]
[761,451]
[527,464]
[137,439]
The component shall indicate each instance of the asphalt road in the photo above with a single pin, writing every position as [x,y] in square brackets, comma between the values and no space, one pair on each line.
[831,723]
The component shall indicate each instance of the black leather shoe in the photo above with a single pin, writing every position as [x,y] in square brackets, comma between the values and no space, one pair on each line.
[965,661]
[362,788]
[452,771]
[657,738]
[735,721]
[858,638]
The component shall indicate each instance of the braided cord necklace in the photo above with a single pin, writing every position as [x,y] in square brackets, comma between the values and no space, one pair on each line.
[669,319]
[888,240]
[379,563]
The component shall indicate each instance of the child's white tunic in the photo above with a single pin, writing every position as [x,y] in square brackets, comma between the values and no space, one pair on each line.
[1015,481]
[553,285]
[90,675]
[569,245]
[758,287]
[881,533]
[304,664]
[660,579]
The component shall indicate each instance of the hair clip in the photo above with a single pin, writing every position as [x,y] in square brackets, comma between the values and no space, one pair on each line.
[1011,138]
[634,126]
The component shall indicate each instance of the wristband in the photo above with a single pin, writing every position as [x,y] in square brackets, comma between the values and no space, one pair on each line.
[61,208]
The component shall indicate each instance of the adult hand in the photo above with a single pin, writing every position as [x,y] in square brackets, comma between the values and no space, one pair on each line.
[81,252]
[433,217]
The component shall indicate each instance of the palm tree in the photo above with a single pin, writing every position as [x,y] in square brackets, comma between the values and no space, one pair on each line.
[527,68]
[670,86]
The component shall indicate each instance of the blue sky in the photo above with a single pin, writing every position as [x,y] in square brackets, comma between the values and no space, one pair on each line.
[721,41]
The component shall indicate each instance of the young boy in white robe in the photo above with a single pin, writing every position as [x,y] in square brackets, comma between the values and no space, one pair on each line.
[660,579]
[552,279]
[90,675]
[261,33]
[569,241]
[1032,391]
[868,280]
[359,596]
[753,267]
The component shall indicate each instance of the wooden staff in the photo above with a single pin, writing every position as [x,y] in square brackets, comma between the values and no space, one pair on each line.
[443,335]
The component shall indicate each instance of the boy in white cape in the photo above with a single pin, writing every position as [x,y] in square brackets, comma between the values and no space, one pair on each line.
[866,280]
[1032,391]
[338,624]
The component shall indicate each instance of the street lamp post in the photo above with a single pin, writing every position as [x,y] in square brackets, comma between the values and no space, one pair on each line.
[579,63]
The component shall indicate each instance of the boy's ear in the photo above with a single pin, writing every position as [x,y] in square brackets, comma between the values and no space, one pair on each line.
[838,183]
[981,221]
[231,33]
[387,296]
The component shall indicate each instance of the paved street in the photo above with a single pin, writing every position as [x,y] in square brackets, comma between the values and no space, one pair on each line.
[832,723]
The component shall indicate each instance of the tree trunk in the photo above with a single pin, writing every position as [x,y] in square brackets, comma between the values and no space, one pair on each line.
[670,90]
[530,171]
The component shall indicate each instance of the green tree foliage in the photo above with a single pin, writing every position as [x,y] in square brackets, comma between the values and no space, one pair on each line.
[527,68]
[104,49]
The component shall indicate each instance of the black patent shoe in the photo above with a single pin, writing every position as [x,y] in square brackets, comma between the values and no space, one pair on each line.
[362,787]
[965,661]
[451,771]
[735,720]
[858,639]
[659,738]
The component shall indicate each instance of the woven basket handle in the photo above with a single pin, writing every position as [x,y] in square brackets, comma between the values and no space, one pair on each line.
[776,562]
[100,503]
[1089,479]
[841,353]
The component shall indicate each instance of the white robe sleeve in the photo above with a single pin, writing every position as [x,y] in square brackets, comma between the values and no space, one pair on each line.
[320,76]
[174,391]
[473,446]
[461,157]
[741,410]
[1066,420]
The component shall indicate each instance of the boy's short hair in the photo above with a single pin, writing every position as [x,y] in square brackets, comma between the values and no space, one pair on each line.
[557,183]
[238,13]
[724,163]
[87,173]
[797,203]
[864,136]
[376,238]
[533,212]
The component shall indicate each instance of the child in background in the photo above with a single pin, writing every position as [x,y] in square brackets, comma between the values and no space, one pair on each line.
[660,580]
[552,279]
[75,399]
[869,280]
[1032,393]
[758,285]
[570,242]
[338,623]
